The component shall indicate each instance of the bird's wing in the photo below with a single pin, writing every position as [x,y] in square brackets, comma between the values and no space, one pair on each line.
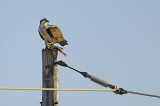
[55,33]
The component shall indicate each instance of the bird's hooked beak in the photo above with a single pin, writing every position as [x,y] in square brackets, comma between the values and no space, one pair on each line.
[47,20]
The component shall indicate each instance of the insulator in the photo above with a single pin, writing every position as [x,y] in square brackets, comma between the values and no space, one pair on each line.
[99,81]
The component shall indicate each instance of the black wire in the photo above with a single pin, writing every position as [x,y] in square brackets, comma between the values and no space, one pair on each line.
[120,91]
[74,69]
[143,94]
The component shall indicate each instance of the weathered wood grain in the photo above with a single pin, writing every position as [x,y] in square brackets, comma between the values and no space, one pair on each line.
[49,77]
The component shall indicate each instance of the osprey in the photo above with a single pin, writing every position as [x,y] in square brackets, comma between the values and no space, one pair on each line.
[51,34]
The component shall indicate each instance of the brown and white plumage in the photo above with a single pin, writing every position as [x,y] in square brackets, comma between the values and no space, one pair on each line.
[51,33]
[57,35]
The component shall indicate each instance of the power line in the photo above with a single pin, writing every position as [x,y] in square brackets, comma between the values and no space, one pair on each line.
[104,83]
[143,94]
[55,89]
[93,78]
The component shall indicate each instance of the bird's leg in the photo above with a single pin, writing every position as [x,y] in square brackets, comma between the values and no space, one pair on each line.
[50,46]
[46,43]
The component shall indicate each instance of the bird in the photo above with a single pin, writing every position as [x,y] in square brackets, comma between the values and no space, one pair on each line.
[51,34]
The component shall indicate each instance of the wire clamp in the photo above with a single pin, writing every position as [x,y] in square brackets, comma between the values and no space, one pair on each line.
[61,63]
[120,91]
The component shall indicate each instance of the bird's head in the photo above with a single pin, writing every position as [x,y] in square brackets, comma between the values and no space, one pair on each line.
[44,20]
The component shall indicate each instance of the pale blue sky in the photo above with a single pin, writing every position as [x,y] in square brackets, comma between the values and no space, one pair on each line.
[117,40]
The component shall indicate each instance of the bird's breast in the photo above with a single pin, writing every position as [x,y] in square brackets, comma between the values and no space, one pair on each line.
[45,35]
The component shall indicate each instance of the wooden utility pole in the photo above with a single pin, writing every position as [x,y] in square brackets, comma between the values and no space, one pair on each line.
[49,77]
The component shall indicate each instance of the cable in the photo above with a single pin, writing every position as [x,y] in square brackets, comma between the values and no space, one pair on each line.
[143,94]
[91,77]
[104,83]
[55,89]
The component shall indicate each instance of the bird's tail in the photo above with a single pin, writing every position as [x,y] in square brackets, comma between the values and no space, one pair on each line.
[63,43]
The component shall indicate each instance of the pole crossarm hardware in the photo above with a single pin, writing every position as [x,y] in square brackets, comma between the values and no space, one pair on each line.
[102,82]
